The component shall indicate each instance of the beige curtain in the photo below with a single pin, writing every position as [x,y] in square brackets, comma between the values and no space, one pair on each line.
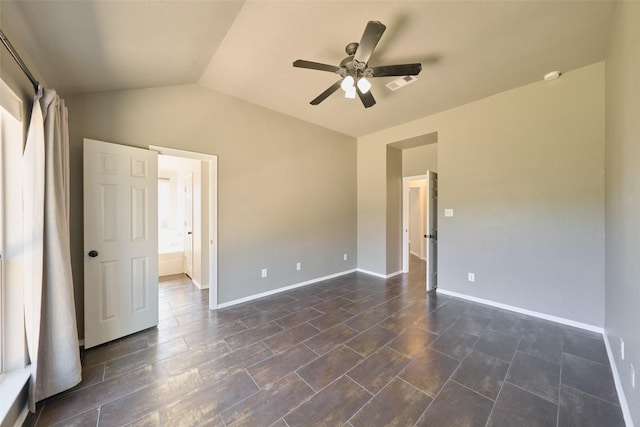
[50,319]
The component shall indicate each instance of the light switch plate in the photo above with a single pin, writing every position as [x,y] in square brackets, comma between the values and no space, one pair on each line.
[448,212]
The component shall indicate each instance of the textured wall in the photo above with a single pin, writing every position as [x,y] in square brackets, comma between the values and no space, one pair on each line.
[286,189]
[622,213]
[523,171]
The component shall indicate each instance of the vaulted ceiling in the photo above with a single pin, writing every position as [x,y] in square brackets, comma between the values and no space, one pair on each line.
[468,49]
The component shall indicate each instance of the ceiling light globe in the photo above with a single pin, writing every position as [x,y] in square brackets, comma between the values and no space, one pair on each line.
[364,85]
[350,92]
[347,83]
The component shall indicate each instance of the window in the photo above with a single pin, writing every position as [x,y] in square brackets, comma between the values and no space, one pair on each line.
[170,216]
[12,343]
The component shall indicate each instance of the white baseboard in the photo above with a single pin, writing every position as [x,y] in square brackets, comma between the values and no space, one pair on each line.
[283,289]
[382,276]
[371,273]
[397,273]
[624,405]
[550,317]
[198,285]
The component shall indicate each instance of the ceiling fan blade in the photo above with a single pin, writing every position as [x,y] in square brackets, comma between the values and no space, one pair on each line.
[300,63]
[324,95]
[396,70]
[366,98]
[369,41]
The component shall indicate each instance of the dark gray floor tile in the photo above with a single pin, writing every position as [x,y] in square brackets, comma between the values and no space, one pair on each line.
[132,406]
[535,375]
[89,418]
[401,321]
[114,349]
[517,407]
[497,344]
[330,319]
[370,340]
[293,336]
[482,373]
[269,405]
[332,304]
[508,323]
[455,343]
[589,377]
[151,419]
[64,406]
[545,347]
[436,321]
[219,367]
[325,369]
[195,365]
[542,327]
[330,339]
[456,405]
[202,408]
[367,319]
[273,303]
[261,317]
[377,370]
[382,410]
[429,371]
[586,345]
[413,341]
[252,336]
[472,324]
[360,306]
[282,364]
[332,406]
[145,357]
[298,317]
[579,409]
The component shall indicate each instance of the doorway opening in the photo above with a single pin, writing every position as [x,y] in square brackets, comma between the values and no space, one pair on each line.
[187,217]
[414,219]
[419,225]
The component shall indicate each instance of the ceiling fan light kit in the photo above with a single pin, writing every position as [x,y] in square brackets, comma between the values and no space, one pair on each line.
[354,70]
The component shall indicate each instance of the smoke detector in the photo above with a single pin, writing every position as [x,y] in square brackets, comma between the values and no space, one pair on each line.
[552,75]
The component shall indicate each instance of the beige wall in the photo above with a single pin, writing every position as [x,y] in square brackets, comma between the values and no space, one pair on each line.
[394,211]
[418,160]
[622,224]
[524,172]
[287,189]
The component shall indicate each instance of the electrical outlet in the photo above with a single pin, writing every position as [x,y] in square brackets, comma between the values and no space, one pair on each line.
[299,266]
[471,277]
[621,348]
[345,257]
[264,273]
[633,377]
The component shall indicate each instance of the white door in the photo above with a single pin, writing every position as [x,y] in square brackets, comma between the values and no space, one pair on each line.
[188,224]
[120,241]
[432,231]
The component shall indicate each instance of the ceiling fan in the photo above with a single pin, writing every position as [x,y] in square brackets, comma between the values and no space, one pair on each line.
[354,70]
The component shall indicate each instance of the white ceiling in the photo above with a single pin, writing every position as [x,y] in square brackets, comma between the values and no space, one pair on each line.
[469,49]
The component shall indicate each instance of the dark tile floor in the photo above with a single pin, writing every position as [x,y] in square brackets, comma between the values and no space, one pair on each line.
[354,351]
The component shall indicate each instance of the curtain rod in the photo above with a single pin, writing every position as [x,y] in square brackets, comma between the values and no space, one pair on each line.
[23,67]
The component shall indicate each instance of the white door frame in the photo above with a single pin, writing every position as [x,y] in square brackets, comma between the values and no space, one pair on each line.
[405,219]
[213,213]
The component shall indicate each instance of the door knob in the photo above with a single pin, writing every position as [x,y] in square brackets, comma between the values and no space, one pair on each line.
[93,253]
[189,232]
